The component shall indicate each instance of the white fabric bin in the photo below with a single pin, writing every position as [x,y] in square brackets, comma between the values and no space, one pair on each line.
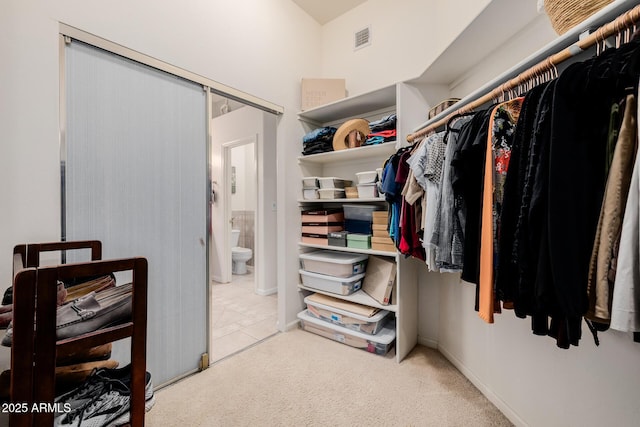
[333,263]
[334,285]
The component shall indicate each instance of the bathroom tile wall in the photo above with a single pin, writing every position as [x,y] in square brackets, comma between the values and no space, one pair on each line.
[244,221]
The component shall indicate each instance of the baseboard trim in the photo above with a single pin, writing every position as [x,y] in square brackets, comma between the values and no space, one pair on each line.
[266,292]
[428,342]
[291,326]
[489,394]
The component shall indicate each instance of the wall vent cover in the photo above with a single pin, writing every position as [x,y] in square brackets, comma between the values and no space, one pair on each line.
[362,38]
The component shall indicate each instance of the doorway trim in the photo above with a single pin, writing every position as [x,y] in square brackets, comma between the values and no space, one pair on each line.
[227,275]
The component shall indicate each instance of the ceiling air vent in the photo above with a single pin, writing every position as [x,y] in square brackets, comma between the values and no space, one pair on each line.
[362,38]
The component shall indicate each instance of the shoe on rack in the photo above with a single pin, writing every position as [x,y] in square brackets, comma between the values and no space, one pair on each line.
[87,314]
[6,340]
[95,285]
[103,399]
[69,377]
[5,319]
[114,291]
[90,354]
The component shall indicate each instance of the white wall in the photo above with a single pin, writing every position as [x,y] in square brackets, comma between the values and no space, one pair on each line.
[263,47]
[406,36]
[244,160]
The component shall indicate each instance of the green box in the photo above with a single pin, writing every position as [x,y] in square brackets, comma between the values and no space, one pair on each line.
[359,241]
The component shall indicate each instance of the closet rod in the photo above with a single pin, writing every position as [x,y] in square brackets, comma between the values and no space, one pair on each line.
[621,23]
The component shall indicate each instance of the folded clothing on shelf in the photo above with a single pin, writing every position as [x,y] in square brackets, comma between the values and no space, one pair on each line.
[385,123]
[318,141]
[381,137]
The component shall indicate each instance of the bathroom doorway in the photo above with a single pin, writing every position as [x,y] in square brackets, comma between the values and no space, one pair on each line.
[243,294]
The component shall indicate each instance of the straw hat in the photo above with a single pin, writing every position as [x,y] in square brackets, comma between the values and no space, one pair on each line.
[340,139]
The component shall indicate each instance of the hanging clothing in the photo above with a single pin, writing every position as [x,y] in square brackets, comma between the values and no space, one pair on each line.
[449,221]
[602,265]
[467,164]
[583,96]
[625,305]
[502,124]
[426,164]
[508,288]
[409,243]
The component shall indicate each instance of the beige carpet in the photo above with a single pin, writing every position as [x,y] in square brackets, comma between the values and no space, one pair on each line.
[300,379]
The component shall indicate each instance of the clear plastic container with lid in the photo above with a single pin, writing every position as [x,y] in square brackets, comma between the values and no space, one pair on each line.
[334,263]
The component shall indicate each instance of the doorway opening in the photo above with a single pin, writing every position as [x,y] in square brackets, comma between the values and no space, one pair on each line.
[243,287]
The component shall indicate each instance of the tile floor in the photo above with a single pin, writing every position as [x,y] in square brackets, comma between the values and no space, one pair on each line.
[240,317]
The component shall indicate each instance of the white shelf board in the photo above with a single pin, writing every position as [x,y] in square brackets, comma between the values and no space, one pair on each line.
[351,106]
[359,297]
[345,200]
[345,249]
[351,154]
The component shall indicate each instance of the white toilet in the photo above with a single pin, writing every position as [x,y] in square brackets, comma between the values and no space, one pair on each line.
[239,256]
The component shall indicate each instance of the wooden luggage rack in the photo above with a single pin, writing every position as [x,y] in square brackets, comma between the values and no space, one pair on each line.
[34,346]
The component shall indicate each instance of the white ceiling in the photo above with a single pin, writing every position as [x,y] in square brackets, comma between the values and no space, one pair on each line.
[324,11]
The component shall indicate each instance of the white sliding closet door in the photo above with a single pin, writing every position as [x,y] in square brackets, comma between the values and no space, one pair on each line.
[135,177]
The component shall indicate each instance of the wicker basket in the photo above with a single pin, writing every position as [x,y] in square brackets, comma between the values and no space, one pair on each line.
[442,106]
[566,14]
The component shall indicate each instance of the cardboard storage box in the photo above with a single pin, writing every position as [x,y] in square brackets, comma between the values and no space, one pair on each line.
[379,343]
[323,215]
[359,241]
[321,227]
[380,278]
[382,242]
[315,239]
[338,238]
[339,264]
[380,230]
[317,92]
[331,284]
[347,314]
[380,217]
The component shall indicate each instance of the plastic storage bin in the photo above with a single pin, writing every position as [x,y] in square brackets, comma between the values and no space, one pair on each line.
[333,182]
[334,285]
[338,264]
[379,343]
[359,241]
[367,191]
[310,194]
[331,193]
[343,317]
[357,226]
[367,177]
[309,182]
[360,212]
